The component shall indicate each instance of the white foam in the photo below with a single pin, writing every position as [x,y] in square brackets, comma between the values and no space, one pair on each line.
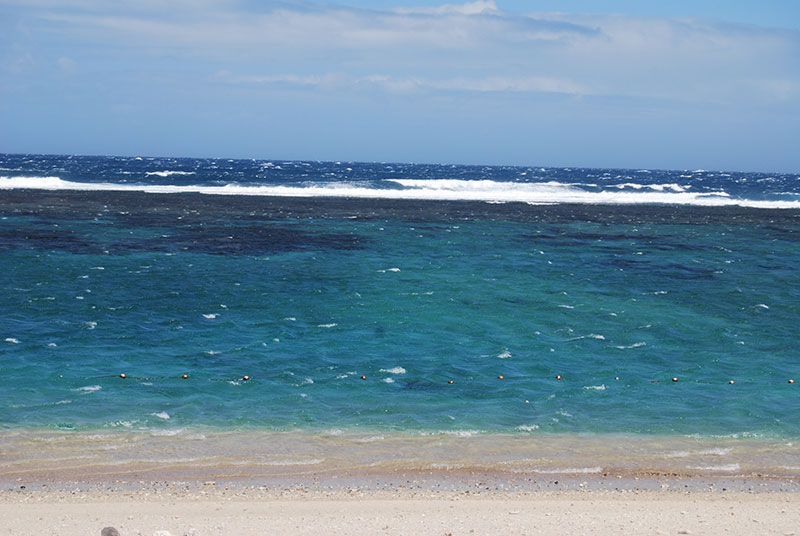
[211,316]
[600,387]
[634,345]
[387,380]
[569,470]
[327,326]
[166,433]
[527,427]
[167,173]
[727,468]
[446,189]
[505,354]
[312,461]
[12,340]
[161,415]
[88,388]
[395,370]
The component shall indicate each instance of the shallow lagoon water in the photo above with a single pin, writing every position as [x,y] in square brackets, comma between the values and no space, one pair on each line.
[307,295]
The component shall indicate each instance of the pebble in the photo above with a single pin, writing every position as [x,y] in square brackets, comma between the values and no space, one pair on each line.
[162,533]
[109,531]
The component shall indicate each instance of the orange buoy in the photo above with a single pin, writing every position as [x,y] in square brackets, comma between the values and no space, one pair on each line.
[500,378]
[123,376]
[245,378]
[674,379]
[450,382]
[616,378]
[791,381]
[363,377]
[185,376]
[558,378]
[731,382]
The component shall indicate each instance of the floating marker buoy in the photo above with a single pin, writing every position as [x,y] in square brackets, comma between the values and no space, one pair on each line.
[450,382]
[731,382]
[122,376]
[245,378]
[558,378]
[185,376]
[500,378]
[674,379]
[363,377]
[791,381]
[616,378]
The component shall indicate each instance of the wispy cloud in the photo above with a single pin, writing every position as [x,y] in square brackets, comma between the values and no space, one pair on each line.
[473,46]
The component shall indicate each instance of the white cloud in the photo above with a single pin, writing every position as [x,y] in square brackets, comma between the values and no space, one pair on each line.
[472,46]
[470,8]
[67,65]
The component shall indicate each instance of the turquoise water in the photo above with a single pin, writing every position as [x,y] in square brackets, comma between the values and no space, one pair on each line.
[307,296]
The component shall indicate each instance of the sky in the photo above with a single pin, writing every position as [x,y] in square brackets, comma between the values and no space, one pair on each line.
[711,84]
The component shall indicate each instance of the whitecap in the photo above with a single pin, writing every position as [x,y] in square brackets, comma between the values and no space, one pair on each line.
[387,380]
[167,173]
[395,370]
[527,427]
[600,387]
[433,189]
[88,388]
[210,316]
[505,354]
[12,340]
[327,326]
[635,345]
[161,415]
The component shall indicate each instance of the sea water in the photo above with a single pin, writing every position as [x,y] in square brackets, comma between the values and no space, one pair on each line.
[322,303]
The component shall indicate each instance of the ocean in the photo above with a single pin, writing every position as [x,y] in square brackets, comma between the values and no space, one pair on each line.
[329,315]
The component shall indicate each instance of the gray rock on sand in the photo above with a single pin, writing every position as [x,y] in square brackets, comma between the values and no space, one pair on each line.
[109,531]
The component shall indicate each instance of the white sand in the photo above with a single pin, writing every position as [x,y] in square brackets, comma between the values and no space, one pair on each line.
[245,512]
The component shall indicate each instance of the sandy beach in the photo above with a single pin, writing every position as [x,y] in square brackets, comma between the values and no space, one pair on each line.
[220,510]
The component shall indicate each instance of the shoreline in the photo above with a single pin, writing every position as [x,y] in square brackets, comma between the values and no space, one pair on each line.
[383,460]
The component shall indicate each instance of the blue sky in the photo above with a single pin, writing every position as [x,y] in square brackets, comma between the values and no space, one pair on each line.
[704,84]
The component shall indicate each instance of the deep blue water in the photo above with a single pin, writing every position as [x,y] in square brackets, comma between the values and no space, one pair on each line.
[305,295]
